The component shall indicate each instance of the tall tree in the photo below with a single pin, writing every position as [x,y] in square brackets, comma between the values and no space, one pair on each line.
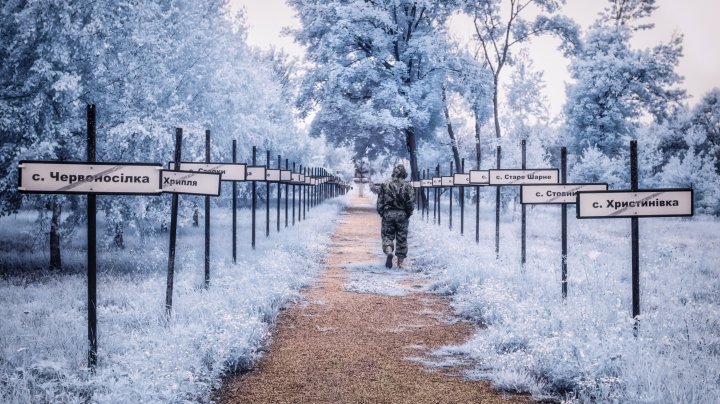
[615,85]
[472,81]
[706,120]
[149,66]
[501,25]
[377,70]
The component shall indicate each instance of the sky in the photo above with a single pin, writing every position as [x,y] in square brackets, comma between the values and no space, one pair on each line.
[695,19]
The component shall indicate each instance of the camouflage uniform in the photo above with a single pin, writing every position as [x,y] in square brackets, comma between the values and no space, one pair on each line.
[395,203]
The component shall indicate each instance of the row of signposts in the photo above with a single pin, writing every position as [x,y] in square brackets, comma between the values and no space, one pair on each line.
[549,186]
[102,178]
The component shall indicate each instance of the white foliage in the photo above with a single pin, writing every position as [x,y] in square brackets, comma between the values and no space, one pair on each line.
[143,357]
[583,349]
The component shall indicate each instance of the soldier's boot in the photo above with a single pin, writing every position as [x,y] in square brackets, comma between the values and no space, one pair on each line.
[388,261]
[400,262]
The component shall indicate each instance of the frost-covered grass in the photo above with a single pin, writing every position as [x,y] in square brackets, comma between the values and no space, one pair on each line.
[583,349]
[143,357]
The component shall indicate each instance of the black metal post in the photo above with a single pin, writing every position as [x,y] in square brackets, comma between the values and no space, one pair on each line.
[207,216]
[477,214]
[92,245]
[234,206]
[452,173]
[426,192]
[279,194]
[497,209]
[462,200]
[434,201]
[293,204]
[267,196]
[287,192]
[429,189]
[301,188]
[254,197]
[439,196]
[635,230]
[477,205]
[173,229]
[311,189]
[305,194]
[523,220]
[563,212]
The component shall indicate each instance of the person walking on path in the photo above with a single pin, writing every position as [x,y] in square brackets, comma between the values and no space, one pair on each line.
[395,204]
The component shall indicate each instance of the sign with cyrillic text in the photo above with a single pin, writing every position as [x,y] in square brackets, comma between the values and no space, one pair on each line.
[88,178]
[560,193]
[479,177]
[436,181]
[447,181]
[190,182]
[228,171]
[272,175]
[524,177]
[461,179]
[426,183]
[255,173]
[642,203]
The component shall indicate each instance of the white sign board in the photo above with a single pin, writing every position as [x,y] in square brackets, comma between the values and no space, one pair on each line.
[447,181]
[286,175]
[190,182]
[89,178]
[255,173]
[416,184]
[461,179]
[426,183]
[228,171]
[478,177]
[436,181]
[524,177]
[642,203]
[560,193]
[272,175]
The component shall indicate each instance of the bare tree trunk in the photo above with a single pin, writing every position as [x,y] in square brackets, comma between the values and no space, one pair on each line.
[478,153]
[412,150]
[118,239]
[496,113]
[56,207]
[451,133]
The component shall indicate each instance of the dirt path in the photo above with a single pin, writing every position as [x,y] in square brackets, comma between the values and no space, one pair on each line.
[359,335]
